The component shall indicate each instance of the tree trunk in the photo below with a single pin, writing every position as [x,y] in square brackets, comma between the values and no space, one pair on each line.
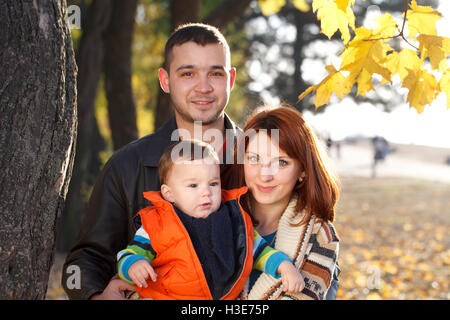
[89,141]
[37,140]
[299,84]
[117,67]
[227,12]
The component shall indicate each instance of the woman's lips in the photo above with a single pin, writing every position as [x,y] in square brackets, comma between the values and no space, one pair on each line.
[264,189]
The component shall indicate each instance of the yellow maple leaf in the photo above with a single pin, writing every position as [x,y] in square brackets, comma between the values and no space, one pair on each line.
[335,15]
[398,62]
[422,19]
[436,48]
[444,85]
[362,58]
[386,26]
[422,87]
[269,7]
[301,5]
[344,4]
[361,73]
[362,46]
[335,82]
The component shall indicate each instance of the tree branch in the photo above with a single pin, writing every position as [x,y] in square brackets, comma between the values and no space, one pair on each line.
[401,34]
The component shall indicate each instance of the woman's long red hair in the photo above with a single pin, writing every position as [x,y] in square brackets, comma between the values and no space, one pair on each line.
[319,190]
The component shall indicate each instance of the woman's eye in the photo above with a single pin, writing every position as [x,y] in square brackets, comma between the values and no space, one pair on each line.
[253,159]
[282,163]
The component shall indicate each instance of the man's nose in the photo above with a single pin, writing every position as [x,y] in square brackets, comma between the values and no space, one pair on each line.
[203,84]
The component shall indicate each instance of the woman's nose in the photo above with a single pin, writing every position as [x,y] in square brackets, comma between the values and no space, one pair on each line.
[266,172]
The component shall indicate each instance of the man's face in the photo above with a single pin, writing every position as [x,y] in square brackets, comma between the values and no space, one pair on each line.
[199,81]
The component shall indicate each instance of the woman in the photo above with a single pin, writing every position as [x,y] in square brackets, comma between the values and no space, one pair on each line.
[291,200]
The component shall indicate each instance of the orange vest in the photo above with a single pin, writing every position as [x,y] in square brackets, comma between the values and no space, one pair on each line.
[180,274]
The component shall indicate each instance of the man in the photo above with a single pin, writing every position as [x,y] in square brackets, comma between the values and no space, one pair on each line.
[198,76]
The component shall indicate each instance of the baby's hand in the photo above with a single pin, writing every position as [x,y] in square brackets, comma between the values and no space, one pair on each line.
[140,271]
[290,277]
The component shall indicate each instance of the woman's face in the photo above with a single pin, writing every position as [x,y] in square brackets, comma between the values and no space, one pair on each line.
[270,173]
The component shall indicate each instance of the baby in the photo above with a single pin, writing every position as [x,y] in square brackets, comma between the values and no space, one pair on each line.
[196,241]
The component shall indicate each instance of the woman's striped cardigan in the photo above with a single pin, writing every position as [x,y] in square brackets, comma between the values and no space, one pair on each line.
[314,248]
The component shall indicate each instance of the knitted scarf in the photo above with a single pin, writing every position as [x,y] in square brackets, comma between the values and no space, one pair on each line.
[313,246]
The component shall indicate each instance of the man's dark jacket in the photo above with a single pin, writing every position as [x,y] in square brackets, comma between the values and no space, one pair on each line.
[109,223]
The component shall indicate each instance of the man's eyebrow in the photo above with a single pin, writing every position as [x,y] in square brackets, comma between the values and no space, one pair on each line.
[191,66]
[218,67]
[185,66]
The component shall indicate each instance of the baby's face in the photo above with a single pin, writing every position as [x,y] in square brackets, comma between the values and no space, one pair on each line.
[194,187]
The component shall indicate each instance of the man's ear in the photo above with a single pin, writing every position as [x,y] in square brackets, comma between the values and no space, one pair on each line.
[163,76]
[232,77]
[166,192]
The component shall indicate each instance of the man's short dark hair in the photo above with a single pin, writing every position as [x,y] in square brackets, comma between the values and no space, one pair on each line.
[199,33]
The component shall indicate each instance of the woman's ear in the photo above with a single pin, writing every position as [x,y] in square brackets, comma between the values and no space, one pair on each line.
[302,176]
[166,193]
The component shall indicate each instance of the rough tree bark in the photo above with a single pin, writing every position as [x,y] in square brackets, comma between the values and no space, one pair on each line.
[37,139]
[89,59]
[117,67]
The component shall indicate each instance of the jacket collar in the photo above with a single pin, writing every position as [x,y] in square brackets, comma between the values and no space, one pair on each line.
[162,138]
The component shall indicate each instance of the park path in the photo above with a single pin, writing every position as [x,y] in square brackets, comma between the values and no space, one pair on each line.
[356,160]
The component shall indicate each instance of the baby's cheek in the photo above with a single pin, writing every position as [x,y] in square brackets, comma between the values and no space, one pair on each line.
[216,204]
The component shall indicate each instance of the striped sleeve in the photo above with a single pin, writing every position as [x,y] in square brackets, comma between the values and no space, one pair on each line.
[265,258]
[321,261]
[139,249]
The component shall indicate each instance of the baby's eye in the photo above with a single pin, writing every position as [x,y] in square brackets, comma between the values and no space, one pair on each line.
[192,185]
[214,184]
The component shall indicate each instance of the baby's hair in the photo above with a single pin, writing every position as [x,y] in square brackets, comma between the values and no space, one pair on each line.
[187,150]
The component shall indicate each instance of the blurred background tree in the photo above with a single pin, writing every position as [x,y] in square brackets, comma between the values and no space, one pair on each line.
[120,48]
